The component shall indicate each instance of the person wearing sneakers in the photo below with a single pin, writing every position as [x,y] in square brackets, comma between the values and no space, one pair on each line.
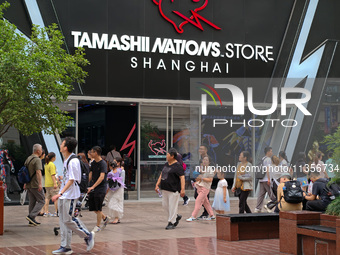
[179,159]
[203,185]
[203,152]
[264,179]
[243,183]
[34,187]
[97,192]
[172,183]
[68,196]
[51,184]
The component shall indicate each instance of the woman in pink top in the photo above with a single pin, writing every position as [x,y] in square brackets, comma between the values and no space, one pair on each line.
[203,185]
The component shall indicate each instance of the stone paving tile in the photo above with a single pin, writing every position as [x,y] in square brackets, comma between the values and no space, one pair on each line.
[141,231]
[198,245]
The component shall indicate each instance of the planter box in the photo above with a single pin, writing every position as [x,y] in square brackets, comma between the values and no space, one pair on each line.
[235,227]
[304,232]
[328,220]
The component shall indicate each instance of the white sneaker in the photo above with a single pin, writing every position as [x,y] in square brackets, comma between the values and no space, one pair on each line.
[191,219]
[62,250]
[186,202]
[105,222]
[267,209]
[257,210]
[211,218]
[96,229]
[90,241]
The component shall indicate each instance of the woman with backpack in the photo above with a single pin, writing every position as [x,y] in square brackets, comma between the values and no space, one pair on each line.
[282,204]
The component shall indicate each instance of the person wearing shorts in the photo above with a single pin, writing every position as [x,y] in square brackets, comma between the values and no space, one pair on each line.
[51,184]
[97,192]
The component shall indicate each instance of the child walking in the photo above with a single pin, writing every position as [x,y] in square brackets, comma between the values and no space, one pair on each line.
[221,200]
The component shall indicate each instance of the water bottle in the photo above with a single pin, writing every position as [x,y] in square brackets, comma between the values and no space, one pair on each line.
[193,184]
[159,192]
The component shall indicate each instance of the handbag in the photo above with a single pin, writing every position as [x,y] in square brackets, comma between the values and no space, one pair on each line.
[237,192]
[112,183]
[23,197]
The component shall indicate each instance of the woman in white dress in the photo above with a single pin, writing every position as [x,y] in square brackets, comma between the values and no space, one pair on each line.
[221,200]
[115,195]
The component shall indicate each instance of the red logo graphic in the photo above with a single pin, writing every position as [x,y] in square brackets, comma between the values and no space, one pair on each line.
[132,144]
[157,147]
[194,19]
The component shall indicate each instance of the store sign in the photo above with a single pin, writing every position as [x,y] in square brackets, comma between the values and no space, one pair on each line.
[195,19]
[175,47]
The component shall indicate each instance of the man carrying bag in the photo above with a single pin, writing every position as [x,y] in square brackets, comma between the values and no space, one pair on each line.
[34,187]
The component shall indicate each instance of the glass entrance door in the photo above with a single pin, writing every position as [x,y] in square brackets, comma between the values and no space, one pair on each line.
[154,136]
[163,127]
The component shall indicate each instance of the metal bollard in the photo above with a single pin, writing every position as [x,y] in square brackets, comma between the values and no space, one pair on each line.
[2,194]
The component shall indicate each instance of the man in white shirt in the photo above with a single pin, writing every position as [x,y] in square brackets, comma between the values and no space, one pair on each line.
[264,179]
[68,196]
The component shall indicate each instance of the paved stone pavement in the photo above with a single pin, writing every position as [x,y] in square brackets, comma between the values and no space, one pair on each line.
[141,231]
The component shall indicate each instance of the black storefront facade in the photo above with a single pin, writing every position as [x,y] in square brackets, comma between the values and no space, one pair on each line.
[146,55]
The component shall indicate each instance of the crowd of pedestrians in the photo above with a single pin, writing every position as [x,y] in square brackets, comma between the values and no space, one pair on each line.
[106,182]
[65,190]
[289,193]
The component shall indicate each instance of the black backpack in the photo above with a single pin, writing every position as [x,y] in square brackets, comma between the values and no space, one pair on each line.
[292,192]
[333,190]
[85,170]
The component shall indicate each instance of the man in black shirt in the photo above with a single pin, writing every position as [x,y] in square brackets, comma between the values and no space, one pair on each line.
[319,184]
[97,191]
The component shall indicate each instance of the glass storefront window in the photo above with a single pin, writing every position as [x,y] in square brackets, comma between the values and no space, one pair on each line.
[71,109]
[185,139]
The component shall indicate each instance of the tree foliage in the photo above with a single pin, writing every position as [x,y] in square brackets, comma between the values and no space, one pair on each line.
[333,142]
[35,73]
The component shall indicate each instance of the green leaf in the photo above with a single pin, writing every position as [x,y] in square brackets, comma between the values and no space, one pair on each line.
[34,75]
